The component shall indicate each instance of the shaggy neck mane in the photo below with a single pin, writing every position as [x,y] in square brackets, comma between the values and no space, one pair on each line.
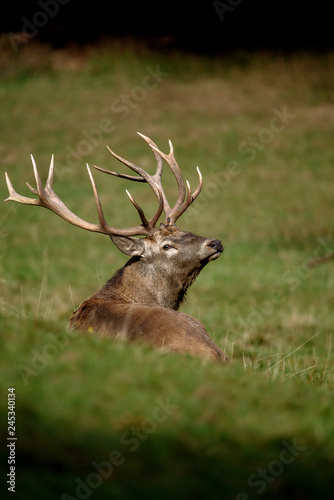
[134,284]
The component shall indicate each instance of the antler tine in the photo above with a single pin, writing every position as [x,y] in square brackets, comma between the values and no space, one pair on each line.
[155,217]
[128,164]
[139,209]
[49,182]
[147,223]
[172,163]
[189,199]
[200,185]
[172,214]
[158,158]
[14,196]
[158,173]
[100,214]
[118,174]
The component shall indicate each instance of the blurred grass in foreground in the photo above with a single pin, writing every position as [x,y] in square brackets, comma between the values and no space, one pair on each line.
[221,431]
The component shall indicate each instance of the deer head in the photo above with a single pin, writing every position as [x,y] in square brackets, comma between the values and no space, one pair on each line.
[167,260]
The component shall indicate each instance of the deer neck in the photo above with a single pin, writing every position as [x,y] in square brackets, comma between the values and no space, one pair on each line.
[140,284]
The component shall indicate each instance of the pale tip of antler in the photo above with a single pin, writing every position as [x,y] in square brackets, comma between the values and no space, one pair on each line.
[89,171]
[49,181]
[33,161]
[9,186]
[113,154]
[170,145]
[199,174]
[37,178]
[111,151]
[148,141]
[91,178]
[33,190]
[130,196]
[102,221]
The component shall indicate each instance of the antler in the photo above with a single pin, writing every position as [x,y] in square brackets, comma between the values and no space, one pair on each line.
[47,198]
[185,198]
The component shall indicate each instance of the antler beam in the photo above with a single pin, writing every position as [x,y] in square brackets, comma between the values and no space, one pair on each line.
[47,198]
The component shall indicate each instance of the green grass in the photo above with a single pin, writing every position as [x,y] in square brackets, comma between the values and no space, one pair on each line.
[173,426]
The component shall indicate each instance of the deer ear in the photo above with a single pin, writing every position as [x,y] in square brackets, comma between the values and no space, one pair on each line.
[128,245]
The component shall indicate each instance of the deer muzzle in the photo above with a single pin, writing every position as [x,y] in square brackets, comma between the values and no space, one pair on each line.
[216,247]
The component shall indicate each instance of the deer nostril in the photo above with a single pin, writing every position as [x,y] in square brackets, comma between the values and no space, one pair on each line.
[216,245]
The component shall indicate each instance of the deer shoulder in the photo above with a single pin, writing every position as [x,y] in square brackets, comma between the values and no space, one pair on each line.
[140,301]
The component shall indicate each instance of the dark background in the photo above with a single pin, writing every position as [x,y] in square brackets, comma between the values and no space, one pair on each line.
[197,26]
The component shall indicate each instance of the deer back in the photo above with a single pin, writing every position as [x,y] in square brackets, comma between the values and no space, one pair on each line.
[161,327]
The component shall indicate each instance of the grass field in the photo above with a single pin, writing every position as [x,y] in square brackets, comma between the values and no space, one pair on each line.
[97,419]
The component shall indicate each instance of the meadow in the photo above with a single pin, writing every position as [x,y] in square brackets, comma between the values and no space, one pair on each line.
[101,419]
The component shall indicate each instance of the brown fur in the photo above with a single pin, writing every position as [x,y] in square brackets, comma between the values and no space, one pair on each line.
[139,302]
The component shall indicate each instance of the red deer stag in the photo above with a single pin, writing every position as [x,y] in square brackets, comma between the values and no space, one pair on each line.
[140,301]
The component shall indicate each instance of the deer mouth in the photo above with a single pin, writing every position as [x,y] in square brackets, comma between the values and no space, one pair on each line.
[215,255]
[217,248]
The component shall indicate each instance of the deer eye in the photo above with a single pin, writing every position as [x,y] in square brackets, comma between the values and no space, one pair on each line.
[168,247]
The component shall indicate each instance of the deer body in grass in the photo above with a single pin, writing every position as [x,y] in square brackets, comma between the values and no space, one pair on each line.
[140,301]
